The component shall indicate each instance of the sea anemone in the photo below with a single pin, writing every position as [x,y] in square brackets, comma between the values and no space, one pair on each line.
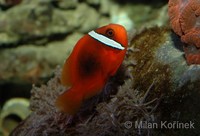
[185,21]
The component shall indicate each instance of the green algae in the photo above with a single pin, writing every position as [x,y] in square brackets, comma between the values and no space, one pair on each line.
[147,69]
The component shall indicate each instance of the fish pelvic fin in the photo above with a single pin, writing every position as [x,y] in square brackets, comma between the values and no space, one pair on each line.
[70,101]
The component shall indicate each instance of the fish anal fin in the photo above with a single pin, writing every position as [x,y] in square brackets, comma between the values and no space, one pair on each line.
[70,101]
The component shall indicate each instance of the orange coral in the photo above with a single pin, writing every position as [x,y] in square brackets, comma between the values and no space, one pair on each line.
[185,21]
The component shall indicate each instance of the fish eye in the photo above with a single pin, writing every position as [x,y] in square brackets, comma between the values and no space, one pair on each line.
[110,33]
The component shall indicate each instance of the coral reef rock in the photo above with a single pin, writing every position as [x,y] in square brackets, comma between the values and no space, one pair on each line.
[32,63]
[156,57]
[40,20]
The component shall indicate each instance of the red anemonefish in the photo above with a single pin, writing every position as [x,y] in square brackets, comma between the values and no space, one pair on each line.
[95,57]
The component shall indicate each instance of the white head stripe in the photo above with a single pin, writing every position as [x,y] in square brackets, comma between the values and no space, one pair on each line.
[105,40]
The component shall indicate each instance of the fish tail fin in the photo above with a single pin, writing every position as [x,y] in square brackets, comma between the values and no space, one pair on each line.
[70,101]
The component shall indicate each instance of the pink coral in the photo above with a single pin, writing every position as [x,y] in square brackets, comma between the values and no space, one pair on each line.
[185,21]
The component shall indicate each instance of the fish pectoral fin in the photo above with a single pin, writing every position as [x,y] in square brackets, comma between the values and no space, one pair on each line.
[114,71]
[69,102]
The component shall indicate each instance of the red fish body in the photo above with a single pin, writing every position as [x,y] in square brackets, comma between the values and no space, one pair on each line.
[96,57]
